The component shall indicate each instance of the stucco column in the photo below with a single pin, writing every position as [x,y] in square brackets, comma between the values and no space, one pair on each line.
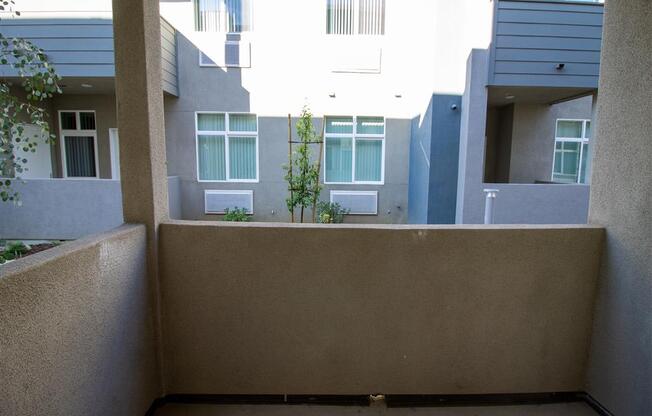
[137,37]
[620,370]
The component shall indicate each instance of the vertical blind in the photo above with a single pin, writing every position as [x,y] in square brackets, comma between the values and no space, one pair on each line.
[242,157]
[223,15]
[347,17]
[212,163]
[80,156]
[339,159]
[368,160]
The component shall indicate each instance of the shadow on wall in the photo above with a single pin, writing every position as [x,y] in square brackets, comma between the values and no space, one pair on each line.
[434,158]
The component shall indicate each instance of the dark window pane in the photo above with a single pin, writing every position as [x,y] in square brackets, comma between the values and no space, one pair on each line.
[80,156]
[68,121]
[87,121]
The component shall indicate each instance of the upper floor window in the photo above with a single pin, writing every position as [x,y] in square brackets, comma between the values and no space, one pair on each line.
[355,17]
[355,149]
[227,147]
[79,144]
[230,16]
[571,151]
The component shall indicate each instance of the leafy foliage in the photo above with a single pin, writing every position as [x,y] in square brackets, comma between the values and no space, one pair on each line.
[39,82]
[331,213]
[302,174]
[13,251]
[236,214]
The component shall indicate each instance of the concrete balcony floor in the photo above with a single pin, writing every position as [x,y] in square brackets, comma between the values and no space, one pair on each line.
[562,409]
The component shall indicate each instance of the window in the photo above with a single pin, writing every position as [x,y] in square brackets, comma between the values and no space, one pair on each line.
[79,143]
[231,16]
[355,17]
[227,147]
[571,151]
[355,150]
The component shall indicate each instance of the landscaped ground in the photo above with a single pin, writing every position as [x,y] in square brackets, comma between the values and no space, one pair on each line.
[16,249]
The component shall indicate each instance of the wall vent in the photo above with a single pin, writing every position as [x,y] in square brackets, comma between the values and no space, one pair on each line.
[358,202]
[217,202]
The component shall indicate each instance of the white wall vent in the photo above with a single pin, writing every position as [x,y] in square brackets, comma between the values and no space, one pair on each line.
[217,202]
[358,202]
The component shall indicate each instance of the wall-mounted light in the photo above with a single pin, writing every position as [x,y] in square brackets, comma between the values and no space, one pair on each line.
[331,94]
[509,96]
[398,95]
[86,86]
[559,67]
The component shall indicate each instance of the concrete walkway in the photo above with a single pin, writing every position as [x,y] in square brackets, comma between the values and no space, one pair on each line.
[565,409]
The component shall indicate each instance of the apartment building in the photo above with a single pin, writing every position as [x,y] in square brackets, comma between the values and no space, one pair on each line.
[386,83]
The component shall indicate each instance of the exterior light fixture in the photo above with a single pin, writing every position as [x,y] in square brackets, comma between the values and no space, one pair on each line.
[86,86]
[509,97]
[331,94]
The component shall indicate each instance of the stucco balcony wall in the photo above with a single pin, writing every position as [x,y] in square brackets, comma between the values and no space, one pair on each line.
[277,308]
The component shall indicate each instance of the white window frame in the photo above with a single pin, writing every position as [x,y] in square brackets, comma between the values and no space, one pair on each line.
[226,133]
[78,133]
[581,140]
[356,21]
[355,138]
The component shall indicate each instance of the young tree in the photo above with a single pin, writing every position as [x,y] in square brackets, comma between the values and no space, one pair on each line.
[303,172]
[38,81]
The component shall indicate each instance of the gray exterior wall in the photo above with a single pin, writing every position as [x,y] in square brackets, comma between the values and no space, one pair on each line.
[620,370]
[533,137]
[67,209]
[538,204]
[271,190]
[83,47]
[532,37]
[434,157]
[62,209]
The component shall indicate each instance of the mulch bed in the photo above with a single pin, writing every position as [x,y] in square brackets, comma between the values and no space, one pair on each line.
[36,248]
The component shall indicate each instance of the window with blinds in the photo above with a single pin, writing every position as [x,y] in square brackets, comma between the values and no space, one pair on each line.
[354,150]
[229,16]
[227,147]
[355,17]
[79,138]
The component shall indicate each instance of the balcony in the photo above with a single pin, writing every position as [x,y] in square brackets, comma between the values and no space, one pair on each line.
[179,316]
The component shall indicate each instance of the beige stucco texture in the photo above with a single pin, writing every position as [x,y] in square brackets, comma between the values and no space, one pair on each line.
[76,329]
[278,308]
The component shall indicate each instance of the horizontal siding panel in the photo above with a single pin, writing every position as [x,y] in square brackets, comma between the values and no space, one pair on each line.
[536,16]
[168,56]
[55,22]
[543,55]
[559,6]
[170,88]
[571,81]
[528,29]
[82,70]
[81,57]
[547,68]
[526,42]
[89,44]
[58,31]
[169,77]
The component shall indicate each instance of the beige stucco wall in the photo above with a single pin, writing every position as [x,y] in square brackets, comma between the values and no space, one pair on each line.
[76,330]
[277,308]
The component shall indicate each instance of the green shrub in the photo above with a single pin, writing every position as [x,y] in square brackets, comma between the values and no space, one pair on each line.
[236,214]
[13,250]
[330,213]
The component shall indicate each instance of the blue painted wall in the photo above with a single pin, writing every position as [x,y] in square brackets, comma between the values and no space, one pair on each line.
[434,157]
[531,37]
